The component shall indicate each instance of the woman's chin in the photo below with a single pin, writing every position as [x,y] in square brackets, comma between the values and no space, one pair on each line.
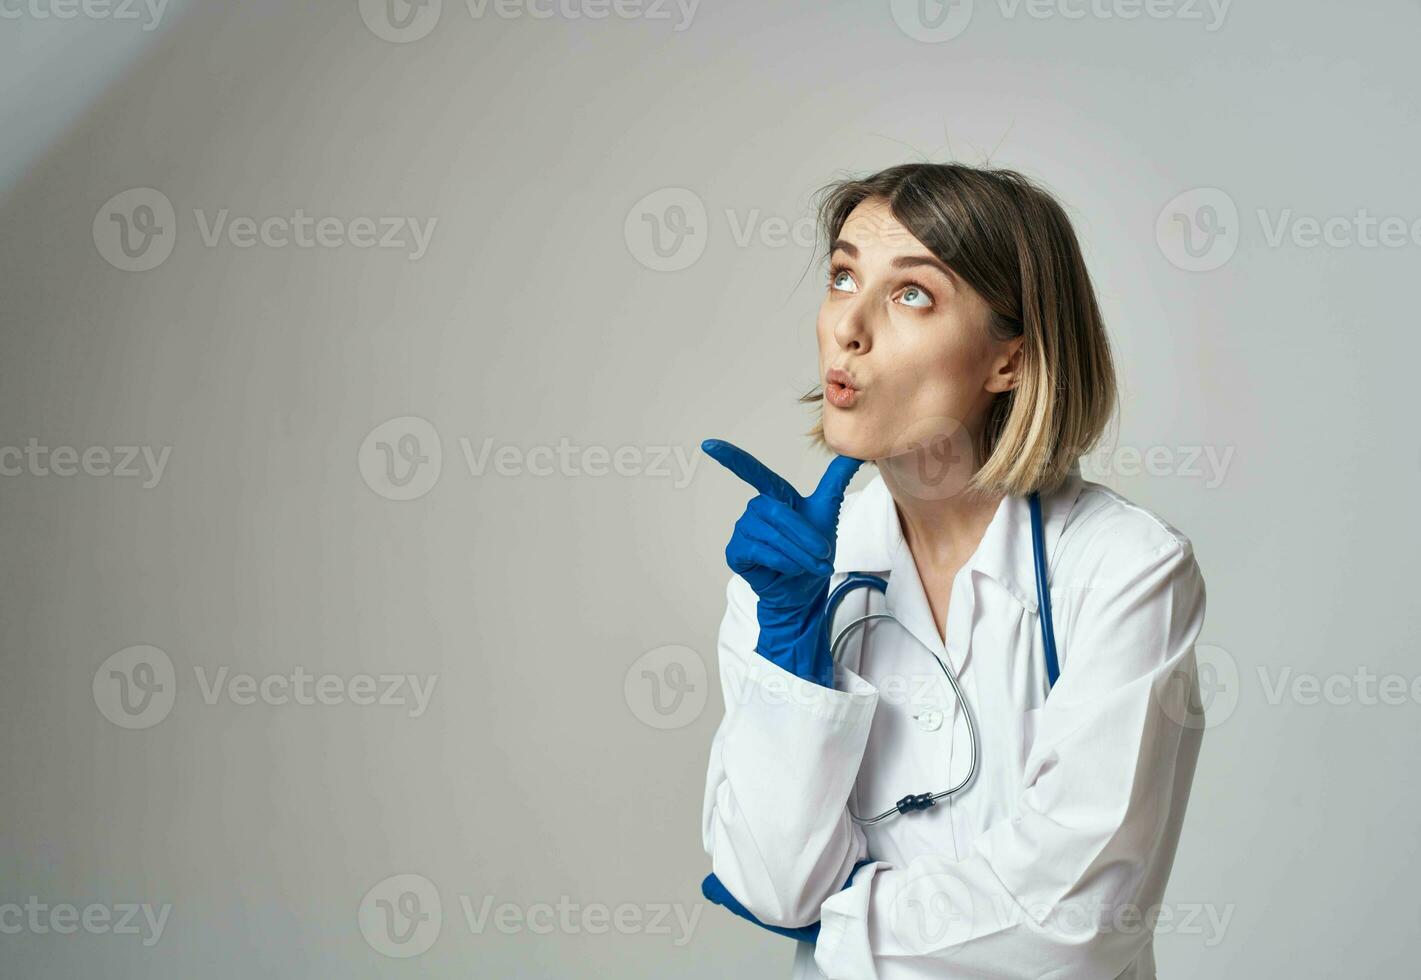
[842,440]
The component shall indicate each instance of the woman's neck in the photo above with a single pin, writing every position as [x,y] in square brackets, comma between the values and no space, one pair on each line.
[940,526]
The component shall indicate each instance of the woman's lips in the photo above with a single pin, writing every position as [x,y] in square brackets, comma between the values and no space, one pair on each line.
[839,389]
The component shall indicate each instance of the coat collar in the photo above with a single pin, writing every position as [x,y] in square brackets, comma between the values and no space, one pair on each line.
[870,535]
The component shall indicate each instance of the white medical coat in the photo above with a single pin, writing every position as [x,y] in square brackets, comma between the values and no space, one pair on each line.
[1053,862]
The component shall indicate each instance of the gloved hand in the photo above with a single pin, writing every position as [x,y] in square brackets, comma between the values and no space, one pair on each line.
[712,889]
[783,545]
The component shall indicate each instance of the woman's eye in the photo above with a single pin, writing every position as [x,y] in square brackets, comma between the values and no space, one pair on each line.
[916,297]
[840,279]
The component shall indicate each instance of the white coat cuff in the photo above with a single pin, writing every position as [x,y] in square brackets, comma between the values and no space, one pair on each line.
[850,702]
[843,951]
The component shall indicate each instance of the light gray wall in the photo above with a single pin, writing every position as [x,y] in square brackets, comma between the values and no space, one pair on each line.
[539,605]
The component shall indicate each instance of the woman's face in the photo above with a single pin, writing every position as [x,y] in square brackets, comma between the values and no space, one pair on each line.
[913,339]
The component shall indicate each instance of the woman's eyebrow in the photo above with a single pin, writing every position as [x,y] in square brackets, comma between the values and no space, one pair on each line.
[908,261]
[901,262]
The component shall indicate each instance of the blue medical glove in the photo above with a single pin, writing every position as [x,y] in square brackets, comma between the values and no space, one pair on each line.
[712,889]
[783,545]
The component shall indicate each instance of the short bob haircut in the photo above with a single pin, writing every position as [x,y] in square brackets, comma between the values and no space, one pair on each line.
[1010,241]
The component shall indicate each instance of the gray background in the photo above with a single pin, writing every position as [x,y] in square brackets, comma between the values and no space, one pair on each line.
[547,764]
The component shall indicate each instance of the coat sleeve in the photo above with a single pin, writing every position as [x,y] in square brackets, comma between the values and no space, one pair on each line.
[1069,884]
[775,821]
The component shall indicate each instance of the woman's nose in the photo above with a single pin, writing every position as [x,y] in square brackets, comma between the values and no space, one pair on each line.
[853,331]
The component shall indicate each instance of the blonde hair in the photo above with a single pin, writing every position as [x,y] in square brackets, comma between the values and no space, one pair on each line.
[1011,242]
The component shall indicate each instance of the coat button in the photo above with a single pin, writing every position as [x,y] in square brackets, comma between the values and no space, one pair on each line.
[929,719]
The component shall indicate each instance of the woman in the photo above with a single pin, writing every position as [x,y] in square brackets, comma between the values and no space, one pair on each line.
[963,353]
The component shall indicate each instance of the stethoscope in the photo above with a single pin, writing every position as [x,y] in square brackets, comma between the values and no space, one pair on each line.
[863,580]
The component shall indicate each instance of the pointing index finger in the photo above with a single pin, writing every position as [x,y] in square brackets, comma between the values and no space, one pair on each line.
[750,469]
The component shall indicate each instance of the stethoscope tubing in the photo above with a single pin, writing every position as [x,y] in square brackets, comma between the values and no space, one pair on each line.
[858,580]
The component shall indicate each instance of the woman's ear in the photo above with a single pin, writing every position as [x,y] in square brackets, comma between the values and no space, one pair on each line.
[1005,373]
